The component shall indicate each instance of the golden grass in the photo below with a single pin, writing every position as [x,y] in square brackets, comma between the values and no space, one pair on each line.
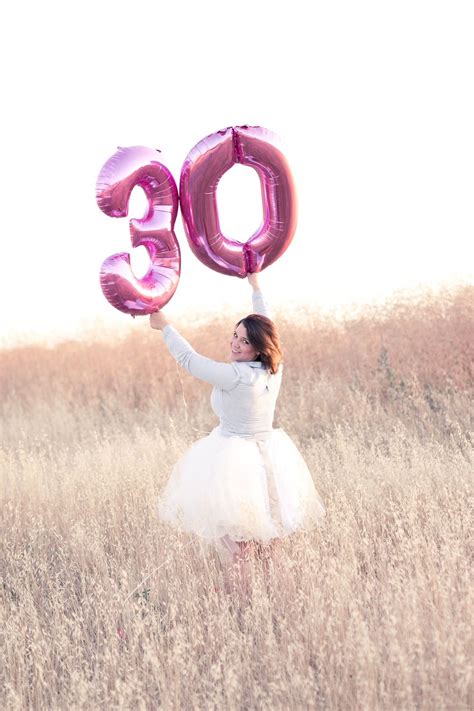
[370,611]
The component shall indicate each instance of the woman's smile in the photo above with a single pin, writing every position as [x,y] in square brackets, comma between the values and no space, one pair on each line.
[240,347]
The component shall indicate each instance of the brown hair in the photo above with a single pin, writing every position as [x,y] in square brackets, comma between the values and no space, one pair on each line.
[263,335]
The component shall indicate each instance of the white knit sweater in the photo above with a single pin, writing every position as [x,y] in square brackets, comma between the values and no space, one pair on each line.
[244,394]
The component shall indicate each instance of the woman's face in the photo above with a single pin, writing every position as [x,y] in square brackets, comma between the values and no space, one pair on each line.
[240,346]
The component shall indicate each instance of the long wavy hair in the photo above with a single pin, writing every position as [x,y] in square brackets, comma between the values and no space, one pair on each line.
[263,336]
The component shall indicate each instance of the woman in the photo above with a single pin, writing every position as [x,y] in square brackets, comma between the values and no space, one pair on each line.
[244,486]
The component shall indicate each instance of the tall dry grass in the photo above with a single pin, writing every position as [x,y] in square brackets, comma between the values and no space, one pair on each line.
[370,611]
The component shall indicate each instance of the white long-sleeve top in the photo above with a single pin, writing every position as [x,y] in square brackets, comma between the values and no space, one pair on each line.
[244,394]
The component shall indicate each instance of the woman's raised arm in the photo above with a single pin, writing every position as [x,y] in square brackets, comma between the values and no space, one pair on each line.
[258,302]
[223,375]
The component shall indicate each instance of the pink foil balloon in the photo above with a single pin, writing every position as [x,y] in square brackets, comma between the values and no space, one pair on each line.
[125,169]
[203,168]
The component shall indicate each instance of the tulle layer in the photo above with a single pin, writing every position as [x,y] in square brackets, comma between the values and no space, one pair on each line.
[241,488]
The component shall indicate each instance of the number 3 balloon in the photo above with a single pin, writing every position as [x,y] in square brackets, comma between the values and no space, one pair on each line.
[203,168]
[127,168]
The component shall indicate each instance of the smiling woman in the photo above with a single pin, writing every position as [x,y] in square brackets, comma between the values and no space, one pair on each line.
[246,485]
[241,348]
[256,338]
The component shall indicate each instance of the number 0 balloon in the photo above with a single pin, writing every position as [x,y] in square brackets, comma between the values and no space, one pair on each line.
[127,168]
[258,148]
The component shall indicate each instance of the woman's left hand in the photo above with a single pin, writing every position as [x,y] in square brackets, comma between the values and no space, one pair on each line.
[254,280]
[158,320]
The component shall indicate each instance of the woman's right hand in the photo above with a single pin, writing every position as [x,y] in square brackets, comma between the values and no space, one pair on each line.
[158,320]
[253,280]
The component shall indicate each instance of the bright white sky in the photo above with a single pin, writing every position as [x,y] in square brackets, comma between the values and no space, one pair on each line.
[373,101]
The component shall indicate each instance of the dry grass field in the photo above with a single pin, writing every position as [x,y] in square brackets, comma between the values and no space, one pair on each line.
[372,610]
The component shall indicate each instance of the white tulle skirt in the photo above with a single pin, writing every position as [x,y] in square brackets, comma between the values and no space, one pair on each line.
[241,488]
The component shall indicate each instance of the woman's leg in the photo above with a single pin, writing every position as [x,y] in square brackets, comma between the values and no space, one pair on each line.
[237,558]
[229,552]
[267,553]
[244,561]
